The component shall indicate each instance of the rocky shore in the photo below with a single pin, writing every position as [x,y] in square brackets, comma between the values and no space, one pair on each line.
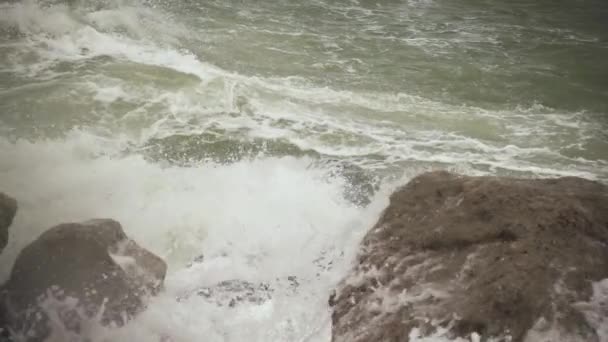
[8,209]
[479,257]
[72,275]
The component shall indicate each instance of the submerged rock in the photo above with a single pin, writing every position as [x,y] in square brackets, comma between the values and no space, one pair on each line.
[214,146]
[78,272]
[360,184]
[502,257]
[233,292]
[8,209]
[188,149]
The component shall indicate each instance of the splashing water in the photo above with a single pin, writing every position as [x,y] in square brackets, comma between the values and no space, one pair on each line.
[267,137]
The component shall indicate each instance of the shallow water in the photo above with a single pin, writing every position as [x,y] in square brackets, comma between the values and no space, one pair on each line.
[267,136]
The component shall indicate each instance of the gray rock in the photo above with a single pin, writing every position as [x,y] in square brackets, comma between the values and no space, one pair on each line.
[76,272]
[495,256]
[233,292]
[8,209]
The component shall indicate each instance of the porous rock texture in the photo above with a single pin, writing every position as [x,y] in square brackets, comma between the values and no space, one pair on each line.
[499,257]
[74,274]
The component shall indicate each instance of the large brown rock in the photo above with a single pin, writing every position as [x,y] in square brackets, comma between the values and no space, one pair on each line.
[77,272]
[501,257]
[8,209]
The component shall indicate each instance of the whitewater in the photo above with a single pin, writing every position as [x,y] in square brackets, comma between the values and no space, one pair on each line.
[265,138]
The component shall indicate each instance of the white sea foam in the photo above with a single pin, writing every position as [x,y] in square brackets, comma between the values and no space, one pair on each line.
[596,310]
[256,221]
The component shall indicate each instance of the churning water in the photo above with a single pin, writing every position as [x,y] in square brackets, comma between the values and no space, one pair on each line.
[267,135]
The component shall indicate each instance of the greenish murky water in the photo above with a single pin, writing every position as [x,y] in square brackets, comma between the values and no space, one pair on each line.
[200,124]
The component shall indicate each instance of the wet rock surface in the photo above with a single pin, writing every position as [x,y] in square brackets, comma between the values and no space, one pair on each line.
[77,272]
[505,258]
[8,209]
[234,292]
[192,149]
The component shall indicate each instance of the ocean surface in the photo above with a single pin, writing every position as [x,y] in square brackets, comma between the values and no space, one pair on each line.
[267,135]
